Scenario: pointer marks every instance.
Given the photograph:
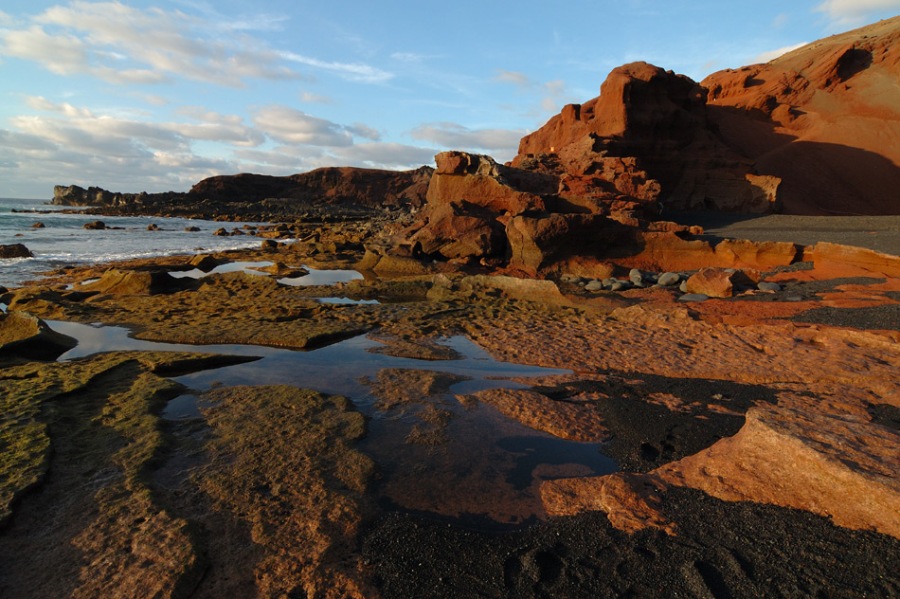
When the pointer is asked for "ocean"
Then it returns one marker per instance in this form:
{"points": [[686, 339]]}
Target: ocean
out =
{"points": [[64, 241]]}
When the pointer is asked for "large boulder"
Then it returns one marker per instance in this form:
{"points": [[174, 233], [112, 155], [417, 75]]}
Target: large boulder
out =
{"points": [[133, 282], [15, 250], [480, 181], [459, 230], [536, 242], [23, 335]]}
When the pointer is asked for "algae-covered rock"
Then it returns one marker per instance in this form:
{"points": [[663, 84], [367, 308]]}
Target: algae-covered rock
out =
{"points": [[283, 464], [23, 335]]}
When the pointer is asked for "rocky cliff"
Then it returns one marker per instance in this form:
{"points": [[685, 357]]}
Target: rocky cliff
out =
{"points": [[322, 192], [816, 131], [824, 118]]}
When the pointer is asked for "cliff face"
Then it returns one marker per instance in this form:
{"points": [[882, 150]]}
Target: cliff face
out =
{"points": [[816, 131], [824, 118], [334, 185]]}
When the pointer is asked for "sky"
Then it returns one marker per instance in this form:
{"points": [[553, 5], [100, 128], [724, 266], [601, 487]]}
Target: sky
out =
{"points": [[155, 96]]}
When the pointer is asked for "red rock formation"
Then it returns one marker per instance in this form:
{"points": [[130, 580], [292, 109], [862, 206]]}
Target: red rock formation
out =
{"points": [[646, 136], [824, 118], [480, 211], [816, 131]]}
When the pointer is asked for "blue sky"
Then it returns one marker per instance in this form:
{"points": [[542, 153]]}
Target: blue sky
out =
{"points": [[154, 96]]}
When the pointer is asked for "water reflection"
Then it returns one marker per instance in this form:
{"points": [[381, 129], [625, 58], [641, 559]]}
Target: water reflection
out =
{"points": [[439, 450]]}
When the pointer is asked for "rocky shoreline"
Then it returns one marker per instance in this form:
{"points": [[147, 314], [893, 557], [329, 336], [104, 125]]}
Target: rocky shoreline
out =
{"points": [[483, 379], [756, 450]]}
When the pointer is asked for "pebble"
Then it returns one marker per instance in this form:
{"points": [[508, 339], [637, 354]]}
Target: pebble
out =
{"points": [[667, 279], [693, 297], [768, 286], [683, 286], [620, 286], [594, 285], [636, 277]]}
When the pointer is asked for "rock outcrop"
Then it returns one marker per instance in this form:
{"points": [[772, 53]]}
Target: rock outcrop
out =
{"points": [[528, 221], [15, 250], [647, 136], [23, 335], [816, 131], [481, 211]]}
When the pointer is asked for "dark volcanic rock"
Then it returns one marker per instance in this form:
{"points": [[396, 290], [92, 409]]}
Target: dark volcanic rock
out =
{"points": [[15, 250], [368, 188], [321, 194]]}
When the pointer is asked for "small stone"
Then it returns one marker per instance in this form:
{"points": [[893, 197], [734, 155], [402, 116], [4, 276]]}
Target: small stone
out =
{"points": [[97, 225], [269, 245], [693, 297], [683, 286], [768, 286], [594, 285], [220, 232], [620, 286], [192, 229], [636, 277], [668, 279], [37, 225]]}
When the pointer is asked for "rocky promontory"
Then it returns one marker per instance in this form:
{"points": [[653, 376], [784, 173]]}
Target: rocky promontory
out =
{"points": [[337, 192]]}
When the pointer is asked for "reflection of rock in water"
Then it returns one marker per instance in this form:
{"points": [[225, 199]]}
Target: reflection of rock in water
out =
{"points": [[457, 458]]}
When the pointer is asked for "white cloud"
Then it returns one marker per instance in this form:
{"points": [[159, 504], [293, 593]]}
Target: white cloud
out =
{"points": [[391, 156], [549, 94], [312, 98], [773, 54], [412, 57], [364, 131], [458, 137], [291, 126], [352, 71], [63, 143], [289, 159], [513, 77], [851, 12], [781, 20], [123, 44]]}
